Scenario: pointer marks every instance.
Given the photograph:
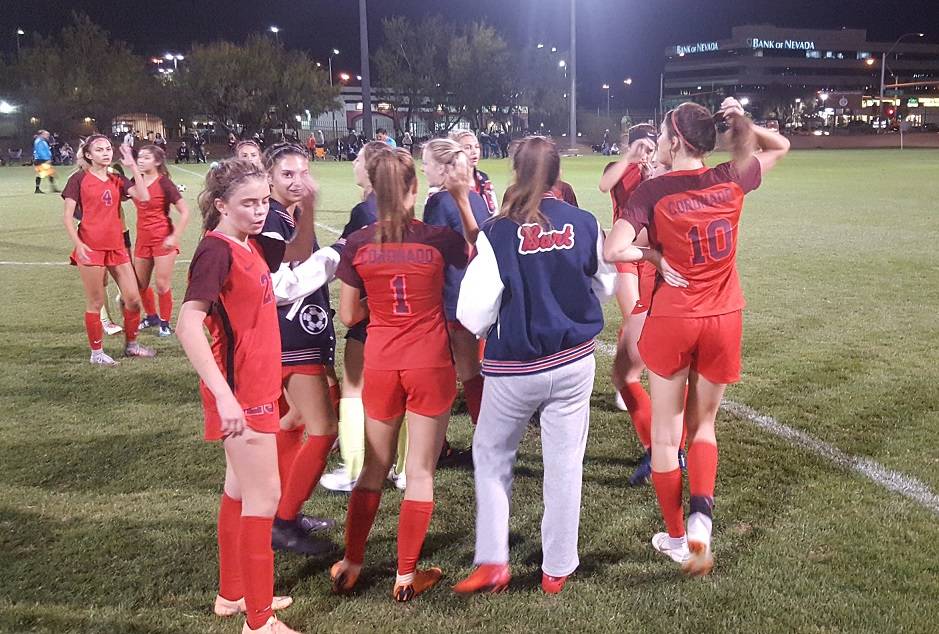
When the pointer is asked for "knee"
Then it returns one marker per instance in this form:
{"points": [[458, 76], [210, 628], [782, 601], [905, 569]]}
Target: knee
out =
{"points": [[132, 303], [94, 305], [163, 285], [262, 501]]}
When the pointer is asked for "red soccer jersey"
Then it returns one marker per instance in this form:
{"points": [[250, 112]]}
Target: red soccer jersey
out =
{"points": [[693, 218], [621, 192], [242, 319], [404, 285], [153, 216], [99, 207]]}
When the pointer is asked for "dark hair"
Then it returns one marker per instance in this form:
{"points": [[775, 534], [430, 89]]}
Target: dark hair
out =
{"points": [[639, 132], [280, 150], [85, 146], [245, 142], [537, 167], [693, 125], [159, 155], [381, 131], [392, 175], [219, 182]]}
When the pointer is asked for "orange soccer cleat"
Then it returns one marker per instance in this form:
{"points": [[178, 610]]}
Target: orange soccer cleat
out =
{"points": [[700, 561], [552, 585], [485, 578], [344, 576], [422, 581]]}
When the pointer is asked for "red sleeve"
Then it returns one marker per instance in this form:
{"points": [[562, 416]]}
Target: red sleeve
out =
{"points": [[632, 177], [639, 209], [124, 184], [170, 192], [73, 188], [345, 271], [749, 177], [208, 270]]}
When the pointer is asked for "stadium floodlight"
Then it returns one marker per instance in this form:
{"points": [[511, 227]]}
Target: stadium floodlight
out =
{"points": [[335, 51], [554, 49], [823, 96], [169, 56], [605, 86], [344, 76], [7, 108], [744, 101], [628, 81], [540, 45], [275, 29], [358, 77], [562, 64], [20, 32]]}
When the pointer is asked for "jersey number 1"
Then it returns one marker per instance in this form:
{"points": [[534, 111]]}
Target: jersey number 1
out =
{"points": [[400, 289], [718, 244]]}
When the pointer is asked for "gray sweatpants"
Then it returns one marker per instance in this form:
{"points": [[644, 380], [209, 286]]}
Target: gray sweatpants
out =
{"points": [[563, 396]]}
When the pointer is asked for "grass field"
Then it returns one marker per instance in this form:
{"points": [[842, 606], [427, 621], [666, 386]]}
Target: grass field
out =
{"points": [[108, 495]]}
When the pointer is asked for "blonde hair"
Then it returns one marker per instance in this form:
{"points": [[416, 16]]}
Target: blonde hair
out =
{"points": [[219, 183], [444, 151], [537, 167], [462, 134], [392, 175]]}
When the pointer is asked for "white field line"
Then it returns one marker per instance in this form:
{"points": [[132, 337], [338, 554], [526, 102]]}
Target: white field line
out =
{"points": [[907, 486]]}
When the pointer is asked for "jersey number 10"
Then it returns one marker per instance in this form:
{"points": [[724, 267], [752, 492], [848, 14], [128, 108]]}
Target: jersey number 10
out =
{"points": [[718, 244], [400, 289]]}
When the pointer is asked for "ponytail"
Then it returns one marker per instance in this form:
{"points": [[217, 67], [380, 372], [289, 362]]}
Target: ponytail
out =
{"points": [[219, 183], [537, 167], [392, 175]]}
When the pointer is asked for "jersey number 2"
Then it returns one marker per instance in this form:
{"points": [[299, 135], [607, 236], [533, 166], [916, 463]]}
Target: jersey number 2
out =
{"points": [[400, 289], [718, 244]]}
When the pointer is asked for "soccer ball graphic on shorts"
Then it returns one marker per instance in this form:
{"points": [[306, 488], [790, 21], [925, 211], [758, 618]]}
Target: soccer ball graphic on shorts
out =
{"points": [[313, 319], [180, 188]]}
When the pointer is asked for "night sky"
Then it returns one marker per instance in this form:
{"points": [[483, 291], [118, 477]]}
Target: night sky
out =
{"points": [[617, 38]]}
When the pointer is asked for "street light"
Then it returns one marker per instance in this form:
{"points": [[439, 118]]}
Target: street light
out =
{"points": [[883, 66], [540, 45], [628, 81], [175, 58], [869, 61], [606, 87], [744, 101], [343, 76], [19, 32], [276, 31]]}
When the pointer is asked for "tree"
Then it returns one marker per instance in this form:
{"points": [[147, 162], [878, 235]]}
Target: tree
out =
{"points": [[81, 73], [479, 65], [253, 86], [542, 86]]}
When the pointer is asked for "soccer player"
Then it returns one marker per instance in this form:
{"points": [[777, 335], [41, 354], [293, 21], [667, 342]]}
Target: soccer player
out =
{"points": [[398, 264], [157, 238], [94, 195], [481, 183], [230, 291], [693, 332], [307, 339], [248, 150], [633, 291], [441, 209], [42, 159], [534, 291]]}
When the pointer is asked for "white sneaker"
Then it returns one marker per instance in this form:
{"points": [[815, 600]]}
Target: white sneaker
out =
{"points": [[99, 357], [224, 607], [620, 403], [676, 548], [273, 626], [700, 560], [338, 480], [110, 328], [134, 349], [400, 480]]}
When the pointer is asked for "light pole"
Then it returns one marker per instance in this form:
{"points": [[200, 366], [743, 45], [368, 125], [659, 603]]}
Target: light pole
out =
{"points": [[606, 87], [19, 32], [573, 131], [175, 58], [276, 31], [883, 67], [366, 77], [335, 51]]}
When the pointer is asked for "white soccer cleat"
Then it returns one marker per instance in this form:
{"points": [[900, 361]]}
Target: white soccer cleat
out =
{"points": [[224, 607], [338, 480], [99, 357], [700, 560], [110, 328], [620, 403], [273, 626], [134, 349], [675, 548], [400, 480]]}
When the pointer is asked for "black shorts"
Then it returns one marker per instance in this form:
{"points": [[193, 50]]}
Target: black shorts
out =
{"points": [[358, 331]]}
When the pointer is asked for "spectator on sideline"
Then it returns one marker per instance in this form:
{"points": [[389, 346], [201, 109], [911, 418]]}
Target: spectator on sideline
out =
{"points": [[382, 135], [42, 159]]}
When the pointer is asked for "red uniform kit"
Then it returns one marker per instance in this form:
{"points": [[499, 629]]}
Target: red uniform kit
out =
{"points": [[153, 219], [98, 204], [620, 194], [408, 364], [692, 217], [242, 321]]}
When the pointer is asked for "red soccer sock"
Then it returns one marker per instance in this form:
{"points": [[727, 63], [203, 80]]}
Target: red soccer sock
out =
{"points": [[668, 490], [413, 521], [363, 505], [305, 473], [702, 469], [289, 442], [94, 330], [149, 303], [335, 394], [131, 323], [257, 565], [166, 305], [640, 410], [230, 583], [473, 393]]}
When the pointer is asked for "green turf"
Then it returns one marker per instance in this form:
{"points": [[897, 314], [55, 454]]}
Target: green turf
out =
{"points": [[108, 494]]}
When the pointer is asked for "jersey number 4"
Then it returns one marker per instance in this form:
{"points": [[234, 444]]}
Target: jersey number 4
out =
{"points": [[718, 244], [399, 287]]}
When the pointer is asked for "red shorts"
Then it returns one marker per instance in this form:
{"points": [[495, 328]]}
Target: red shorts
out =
{"points": [[387, 394], [647, 274], [101, 258], [308, 369], [150, 251], [263, 418], [710, 346], [631, 268]]}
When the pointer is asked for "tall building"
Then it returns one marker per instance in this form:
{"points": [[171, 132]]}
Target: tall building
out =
{"points": [[786, 72]]}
